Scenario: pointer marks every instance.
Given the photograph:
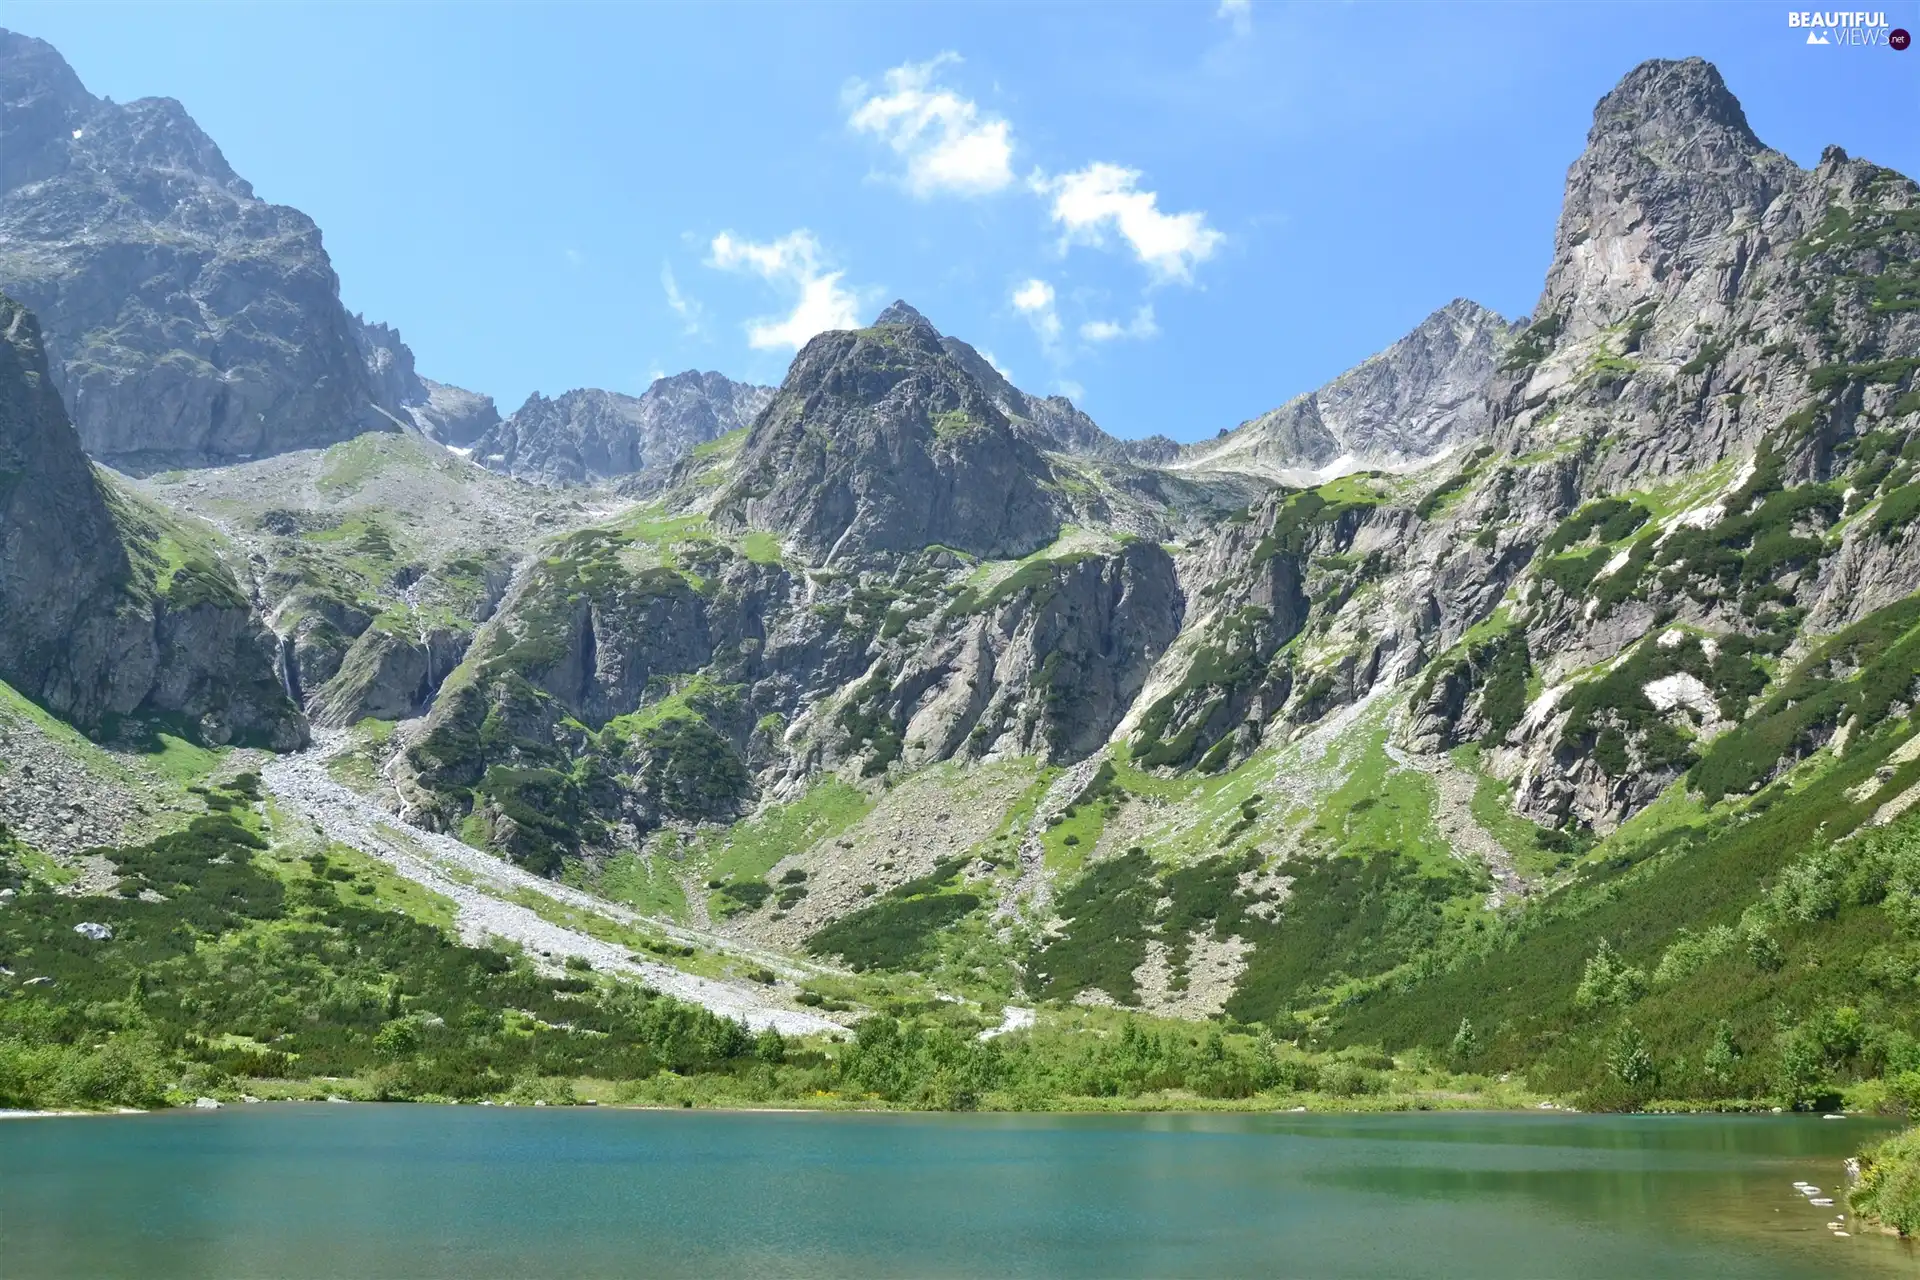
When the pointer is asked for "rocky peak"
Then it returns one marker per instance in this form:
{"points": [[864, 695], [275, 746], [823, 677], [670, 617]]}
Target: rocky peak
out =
{"points": [[879, 442], [41, 102], [588, 435], [1420, 398], [1663, 101], [186, 321], [1670, 178], [1046, 422], [898, 312]]}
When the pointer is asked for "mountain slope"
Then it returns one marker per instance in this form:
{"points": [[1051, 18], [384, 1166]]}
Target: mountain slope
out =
{"points": [[185, 318], [589, 436], [1573, 719], [1413, 403], [109, 608]]}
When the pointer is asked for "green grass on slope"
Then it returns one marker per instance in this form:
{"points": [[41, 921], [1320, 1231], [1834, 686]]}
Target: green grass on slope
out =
{"points": [[896, 931], [225, 966], [1383, 807], [1757, 983], [647, 884], [750, 848], [146, 749]]}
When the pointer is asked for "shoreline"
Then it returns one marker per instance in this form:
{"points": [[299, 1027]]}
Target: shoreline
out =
{"points": [[738, 1109]]}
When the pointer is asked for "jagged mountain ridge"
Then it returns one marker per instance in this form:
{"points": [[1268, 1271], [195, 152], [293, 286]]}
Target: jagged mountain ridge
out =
{"points": [[1323, 597], [1777, 349], [186, 319], [1400, 410], [591, 436]]}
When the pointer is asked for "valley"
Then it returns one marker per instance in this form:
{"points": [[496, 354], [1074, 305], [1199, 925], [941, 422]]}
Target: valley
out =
{"points": [[1529, 717]]}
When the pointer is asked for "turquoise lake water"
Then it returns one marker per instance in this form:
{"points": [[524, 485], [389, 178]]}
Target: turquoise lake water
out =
{"points": [[468, 1191]]}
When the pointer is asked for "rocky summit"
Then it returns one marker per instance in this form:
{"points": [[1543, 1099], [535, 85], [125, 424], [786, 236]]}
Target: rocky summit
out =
{"points": [[1537, 699], [590, 436], [185, 318]]}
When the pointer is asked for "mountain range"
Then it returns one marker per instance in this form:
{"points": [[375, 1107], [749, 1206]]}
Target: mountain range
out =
{"points": [[1536, 697]]}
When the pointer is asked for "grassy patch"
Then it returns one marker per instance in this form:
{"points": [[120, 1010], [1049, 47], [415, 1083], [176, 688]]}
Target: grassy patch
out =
{"points": [[750, 848], [760, 547], [648, 884], [1380, 806]]}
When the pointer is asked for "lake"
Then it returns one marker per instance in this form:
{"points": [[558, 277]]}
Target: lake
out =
{"points": [[331, 1190]]}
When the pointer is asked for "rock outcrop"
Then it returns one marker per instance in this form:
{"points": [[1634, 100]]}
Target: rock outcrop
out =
{"points": [[107, 608], [187, 321], [878, 441], [1421, 398], [454, 416], [589, 436]]}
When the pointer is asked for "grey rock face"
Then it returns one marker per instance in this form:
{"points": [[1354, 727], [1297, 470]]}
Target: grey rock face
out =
{"points": [[63, 559], [389, 364], [1709, 303], [454, 416], [587, 436], [878, 441], [388, 676], [93, 621], [1412, 403], [1670, 179], [1050, 671], [186, 319], [1048, 422]]}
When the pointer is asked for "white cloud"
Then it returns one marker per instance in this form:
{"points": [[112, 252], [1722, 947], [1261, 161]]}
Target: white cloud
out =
{"points": [[1070, 389], [948, 143], [1141, 326], [1101, 198], [791, 263], [688, 309], [1034, 300], [998, 368], [1237, 12]]}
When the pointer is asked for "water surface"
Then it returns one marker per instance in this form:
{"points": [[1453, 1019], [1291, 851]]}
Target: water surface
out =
{"points": [[467, 1191]]}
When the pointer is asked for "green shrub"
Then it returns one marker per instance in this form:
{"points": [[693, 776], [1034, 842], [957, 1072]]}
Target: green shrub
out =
{"points": [[1888, 1192], [895, 931]]}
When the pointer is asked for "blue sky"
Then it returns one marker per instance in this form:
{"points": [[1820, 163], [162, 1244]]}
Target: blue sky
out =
{"points": [[1181, 214]]}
